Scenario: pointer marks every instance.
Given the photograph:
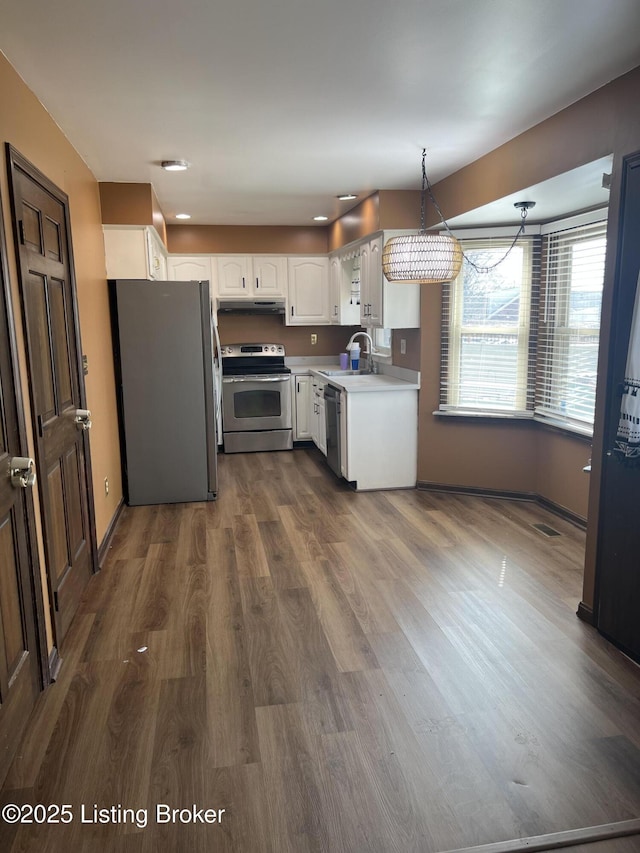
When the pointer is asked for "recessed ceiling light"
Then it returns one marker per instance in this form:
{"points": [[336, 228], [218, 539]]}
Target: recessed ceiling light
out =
{"points": [[347, 197], [183, 216], [175, 165], [320, 218]]}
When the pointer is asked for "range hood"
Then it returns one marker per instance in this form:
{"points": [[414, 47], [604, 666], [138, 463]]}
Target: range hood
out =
{"points": [[251, 306]]}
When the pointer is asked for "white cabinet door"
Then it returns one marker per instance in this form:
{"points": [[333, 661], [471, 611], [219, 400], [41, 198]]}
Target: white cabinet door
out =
{"points": [[335, 280], [156, 255], [344, 310], [193, 268], [269, 276], [371, 290], [234, 276], [302, 390], [374, 285], [308, 292], [127, 252], [364, 285], [322, 425]]}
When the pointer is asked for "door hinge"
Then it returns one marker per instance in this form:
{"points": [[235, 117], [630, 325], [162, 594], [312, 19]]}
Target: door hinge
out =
{"points": [[21, 232], [56, 602]]}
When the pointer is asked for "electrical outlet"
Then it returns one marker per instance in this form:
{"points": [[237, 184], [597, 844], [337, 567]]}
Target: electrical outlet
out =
{"points": [[314, 340], [106, 486], [403, 346]]}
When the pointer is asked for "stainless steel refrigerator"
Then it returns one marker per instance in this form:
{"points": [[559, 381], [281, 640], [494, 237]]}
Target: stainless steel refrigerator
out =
{"points": [[167, 381]]}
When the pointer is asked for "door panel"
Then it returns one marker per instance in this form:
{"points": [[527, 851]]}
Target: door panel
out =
{"points": [[20, 607], [617, 573], [57, 389], [12, 631]]}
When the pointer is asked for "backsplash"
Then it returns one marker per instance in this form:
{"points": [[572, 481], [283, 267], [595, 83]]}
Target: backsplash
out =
{"points": [[236, 329]]}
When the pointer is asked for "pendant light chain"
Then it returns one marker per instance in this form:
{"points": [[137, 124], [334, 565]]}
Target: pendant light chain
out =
{"points": [[524, 210]]}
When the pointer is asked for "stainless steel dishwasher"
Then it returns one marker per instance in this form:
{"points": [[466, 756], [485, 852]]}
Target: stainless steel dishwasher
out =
{"points": [[332, 415]]}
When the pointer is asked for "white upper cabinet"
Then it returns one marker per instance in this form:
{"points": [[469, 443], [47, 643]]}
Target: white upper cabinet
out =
{"points": [[344, 305], [384, 304], [269, 276], [308, 292], [249, 277], [371, 286], [134, 252], [189, 268], [234, 276]]}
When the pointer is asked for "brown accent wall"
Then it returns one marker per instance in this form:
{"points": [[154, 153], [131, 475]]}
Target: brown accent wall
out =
{"points": [[411, 359], [236, 329], [361, 220], [252, 239], [399, 209], [31, 130], [522, 457], [126, 203], [560, 459], [605, 122], [157, 217]]}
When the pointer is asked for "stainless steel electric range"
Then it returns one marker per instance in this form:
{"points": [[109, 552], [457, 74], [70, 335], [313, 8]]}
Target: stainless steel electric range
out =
{"points": [[256, 398]]}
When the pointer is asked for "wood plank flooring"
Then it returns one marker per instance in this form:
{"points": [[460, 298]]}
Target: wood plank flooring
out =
{"points": [[392, 671]]}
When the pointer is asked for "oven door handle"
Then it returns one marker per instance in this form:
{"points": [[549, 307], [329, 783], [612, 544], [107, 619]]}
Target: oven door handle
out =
{"points": [[257, 378]]}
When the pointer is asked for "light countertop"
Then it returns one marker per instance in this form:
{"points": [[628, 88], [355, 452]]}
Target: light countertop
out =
{"points": [[366, 383]]}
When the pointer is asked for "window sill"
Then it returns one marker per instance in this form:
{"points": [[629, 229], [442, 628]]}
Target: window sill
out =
{"points": [[472, 414], [547, 423]]}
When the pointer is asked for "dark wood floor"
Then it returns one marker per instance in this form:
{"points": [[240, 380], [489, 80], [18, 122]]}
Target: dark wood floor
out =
{"points": [[393, 671]]}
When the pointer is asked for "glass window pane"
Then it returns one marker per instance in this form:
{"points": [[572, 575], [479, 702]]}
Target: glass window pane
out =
{"points": [[488, 371], [492, 298]]}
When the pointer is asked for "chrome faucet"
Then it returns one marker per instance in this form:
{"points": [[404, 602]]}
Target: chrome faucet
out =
{"points": [[373, 367]]}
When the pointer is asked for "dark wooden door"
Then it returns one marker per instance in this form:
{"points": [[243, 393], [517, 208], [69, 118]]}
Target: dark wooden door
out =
{"points": [[20, 679], [41, 225], [618, 560]]}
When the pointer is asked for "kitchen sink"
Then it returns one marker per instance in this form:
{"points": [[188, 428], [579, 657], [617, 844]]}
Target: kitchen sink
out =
{"points": [[345, 372]]}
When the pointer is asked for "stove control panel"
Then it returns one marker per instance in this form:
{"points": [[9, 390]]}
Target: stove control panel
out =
{"points": [[234, 350]]}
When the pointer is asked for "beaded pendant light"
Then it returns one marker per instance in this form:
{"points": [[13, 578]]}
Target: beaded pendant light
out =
{"points": [[422, 258]]}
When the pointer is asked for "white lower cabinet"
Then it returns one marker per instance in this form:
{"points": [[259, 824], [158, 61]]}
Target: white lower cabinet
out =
{"points": [[379, 439], [321, 443], [302, 407], [317, 414]]}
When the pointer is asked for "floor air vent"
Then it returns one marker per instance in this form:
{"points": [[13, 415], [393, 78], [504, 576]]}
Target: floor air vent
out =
{"points": [[546, 530]]}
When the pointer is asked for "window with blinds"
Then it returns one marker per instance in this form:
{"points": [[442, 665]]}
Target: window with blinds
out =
{"points": [[569, 323], [487, 329]]}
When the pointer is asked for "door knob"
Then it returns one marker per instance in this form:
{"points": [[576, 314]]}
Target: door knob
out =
{"points": [[21, 472], [83, 419]]}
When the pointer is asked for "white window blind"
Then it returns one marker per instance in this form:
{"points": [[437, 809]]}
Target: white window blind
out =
{"points": [[487, 329], [569, 324]]}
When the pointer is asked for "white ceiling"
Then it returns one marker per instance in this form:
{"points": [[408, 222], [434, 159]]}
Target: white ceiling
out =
{"points": [[281, 105]]}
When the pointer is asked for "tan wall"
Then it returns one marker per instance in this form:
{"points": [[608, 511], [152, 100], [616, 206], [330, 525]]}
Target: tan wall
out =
{"points": [[31, 130], [254, 239], [235, 329]]}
